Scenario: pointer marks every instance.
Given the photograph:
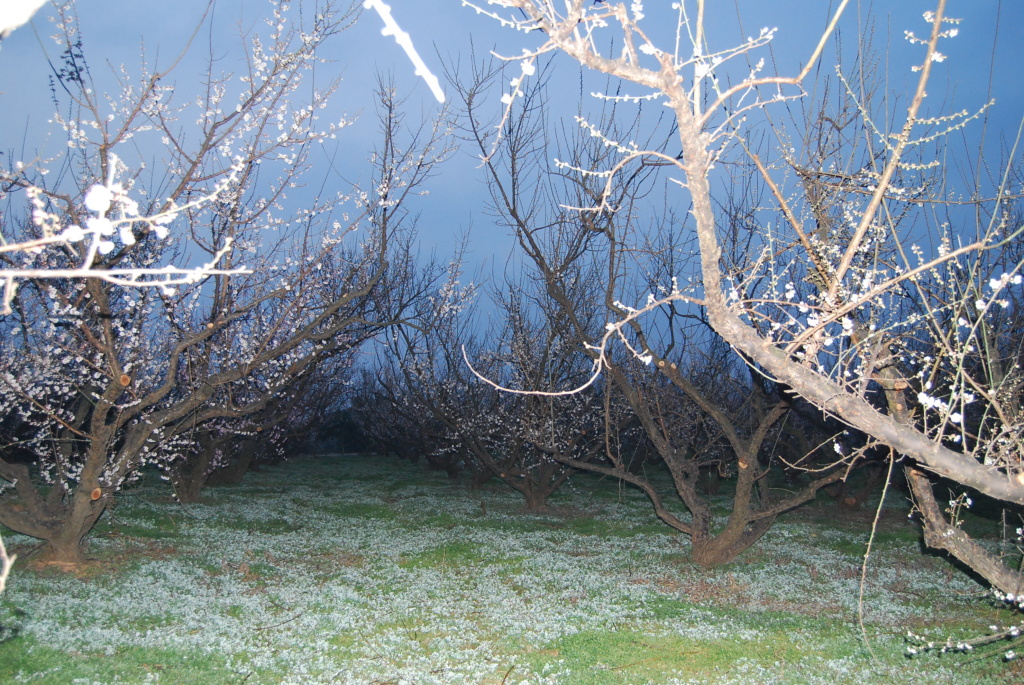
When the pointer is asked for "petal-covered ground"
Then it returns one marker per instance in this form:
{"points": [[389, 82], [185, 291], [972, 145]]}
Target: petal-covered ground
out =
{"points": [[369, 570]]}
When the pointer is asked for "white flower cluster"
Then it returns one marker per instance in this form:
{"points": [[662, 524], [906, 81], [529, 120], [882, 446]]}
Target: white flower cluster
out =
{"points": [[100, 199], [938, 404], [528, 69]]}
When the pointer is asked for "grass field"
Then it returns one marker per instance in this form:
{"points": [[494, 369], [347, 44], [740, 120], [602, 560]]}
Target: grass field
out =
{"points": [[368, 570]]}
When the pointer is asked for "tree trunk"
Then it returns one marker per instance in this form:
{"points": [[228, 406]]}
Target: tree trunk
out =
{"points": [[720, 549], [191, 475], [536, 499], [190, 481], [236, 469], [73, 518], [742, 530], [67, 543], [480, 477]]}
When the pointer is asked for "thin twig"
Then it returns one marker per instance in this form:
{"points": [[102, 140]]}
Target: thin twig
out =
{"points": [[6, 563], [275, 625], [867, 554]]}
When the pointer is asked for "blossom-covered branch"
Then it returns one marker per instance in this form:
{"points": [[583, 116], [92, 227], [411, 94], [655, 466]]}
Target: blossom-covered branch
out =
{"points": [[97, 236]]}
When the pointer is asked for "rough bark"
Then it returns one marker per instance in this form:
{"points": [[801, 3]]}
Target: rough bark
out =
{"points": [[190, 476], [939, 533], [236, 469]]}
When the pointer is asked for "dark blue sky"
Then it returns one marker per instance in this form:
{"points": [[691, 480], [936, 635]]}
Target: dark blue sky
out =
{"points": [[113, 31]]}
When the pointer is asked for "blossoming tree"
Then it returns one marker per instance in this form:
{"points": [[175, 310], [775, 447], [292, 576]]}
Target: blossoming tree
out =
{"points": [[102, 379], [674, 384], [888, 341]]}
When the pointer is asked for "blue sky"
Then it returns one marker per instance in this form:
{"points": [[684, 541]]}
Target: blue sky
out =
{"points": [[114, 30]]}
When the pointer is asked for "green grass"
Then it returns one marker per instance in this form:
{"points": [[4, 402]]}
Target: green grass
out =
{"points": [[456, 553], [349, 570], [46, 666]]}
